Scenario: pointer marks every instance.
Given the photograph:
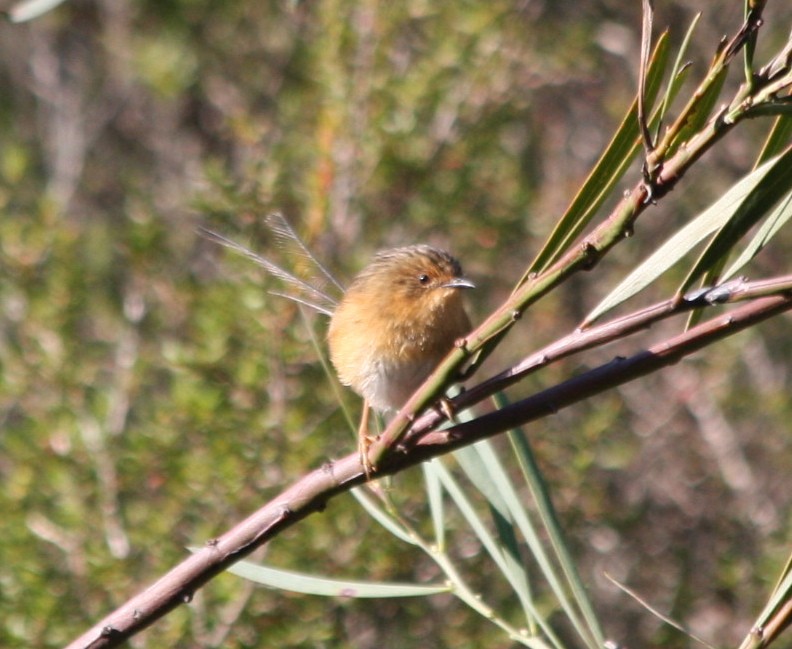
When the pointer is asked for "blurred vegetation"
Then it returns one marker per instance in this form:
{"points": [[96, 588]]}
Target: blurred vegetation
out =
{"points": [[152, 392]]}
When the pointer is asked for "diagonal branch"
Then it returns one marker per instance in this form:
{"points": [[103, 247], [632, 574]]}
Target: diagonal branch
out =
{"points": [[583, 257], [580, 340], [312, 492]]}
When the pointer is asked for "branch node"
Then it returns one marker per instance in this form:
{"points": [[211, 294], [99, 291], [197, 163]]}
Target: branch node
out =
{"points": [[590, 254]]}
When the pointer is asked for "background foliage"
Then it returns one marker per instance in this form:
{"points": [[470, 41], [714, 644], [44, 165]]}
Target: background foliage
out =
{"points": [[152, 393]]}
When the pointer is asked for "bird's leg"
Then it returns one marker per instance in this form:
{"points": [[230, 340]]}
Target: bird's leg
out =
{"points": [[364, 440]]}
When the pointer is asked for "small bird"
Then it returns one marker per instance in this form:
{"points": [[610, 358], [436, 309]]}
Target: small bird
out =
{"points": [[400, 316]]}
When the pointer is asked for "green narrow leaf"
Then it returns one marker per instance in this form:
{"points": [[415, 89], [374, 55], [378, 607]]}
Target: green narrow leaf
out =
{"points": [[514, 577], [480, 473], [777, 140], [474, 520], [508, 494], [314, 585], [773, 186], [777, 219], [29, 9], [609, 169], [470, 461], [480, 464], [776, 108], [684, 241], [678, 71], [382, 517], [434, 493], [536, 484]]}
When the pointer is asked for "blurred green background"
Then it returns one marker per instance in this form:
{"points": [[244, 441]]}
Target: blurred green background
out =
{"points": [[152, 392]]}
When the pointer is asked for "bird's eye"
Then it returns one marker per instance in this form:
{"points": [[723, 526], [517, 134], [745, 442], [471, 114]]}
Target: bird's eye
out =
{"points": [[424, 279]]}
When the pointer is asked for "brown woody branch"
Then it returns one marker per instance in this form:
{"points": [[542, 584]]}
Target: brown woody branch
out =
{"points": [[311, 493]]}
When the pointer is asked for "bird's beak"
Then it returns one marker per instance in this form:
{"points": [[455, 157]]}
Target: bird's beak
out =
{"points": [[459, 282]]}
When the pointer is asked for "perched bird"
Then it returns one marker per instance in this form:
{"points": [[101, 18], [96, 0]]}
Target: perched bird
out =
{"points": [[400, 316]]}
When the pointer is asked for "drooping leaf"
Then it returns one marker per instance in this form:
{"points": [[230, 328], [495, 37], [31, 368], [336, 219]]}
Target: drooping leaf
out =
{"points": [[314, 585]]}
